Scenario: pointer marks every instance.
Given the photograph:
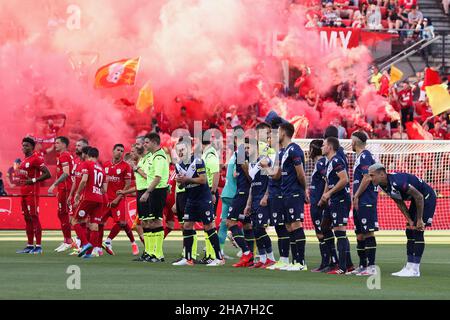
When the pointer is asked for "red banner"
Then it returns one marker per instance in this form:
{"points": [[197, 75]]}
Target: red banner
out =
{"points": [[347, 38]]}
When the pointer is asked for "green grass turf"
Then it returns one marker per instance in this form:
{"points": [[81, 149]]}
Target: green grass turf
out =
{"points": [[117, 277]]}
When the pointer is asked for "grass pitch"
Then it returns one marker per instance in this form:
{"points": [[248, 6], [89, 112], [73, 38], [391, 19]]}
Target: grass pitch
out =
{"points": [[117, 277]]}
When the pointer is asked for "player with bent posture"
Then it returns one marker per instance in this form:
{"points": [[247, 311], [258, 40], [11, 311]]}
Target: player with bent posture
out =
{"points": [[403, 187]]}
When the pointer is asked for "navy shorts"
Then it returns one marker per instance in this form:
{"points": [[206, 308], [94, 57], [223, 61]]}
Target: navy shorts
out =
{"points": [[316, 217], [429, 206], [199, 212], [338, 212], [260, 216], [276, 212], [365, 219], [236, 210], [293, 208]]}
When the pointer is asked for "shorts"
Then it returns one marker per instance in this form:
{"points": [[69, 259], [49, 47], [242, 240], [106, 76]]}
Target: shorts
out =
{"points": [[338, 213], [118, 213], [30, 205], [429, 207], [199, 212], [293, 208], [63, 205], [142, 208], [236, 211], [157, 203], [260, 216], [276, 209], [317, 214], [365, 219], [180, 205], [91, 209]]}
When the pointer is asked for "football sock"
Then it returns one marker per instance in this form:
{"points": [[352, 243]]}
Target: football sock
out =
{"points": [[330, 246], [239, 238], [419, 245], [214, 241], [188, 240], [209, 249], [323, 253], [342, 242], [101, 231], [294, 249], [300, 240], [361, 249], [81, 233], [260, 242], [129, 232], [147, 241], [371, 249], [37, 229], [250, 239], [65, 227], [410, 245], [29, 230], [267, 242], [194, 246], [114, 231], [222, 233], [283, 240], [158, 234]]}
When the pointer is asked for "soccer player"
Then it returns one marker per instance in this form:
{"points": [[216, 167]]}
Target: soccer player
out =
{"points": [[191, 173], [403, 187], [89, 203], [293, 190], [155, 196], [365, 198], [337, 196], [236, 211], [29, 179], [64, 167], [257, 207], [118, 177], [316, 190], [212, 165]]}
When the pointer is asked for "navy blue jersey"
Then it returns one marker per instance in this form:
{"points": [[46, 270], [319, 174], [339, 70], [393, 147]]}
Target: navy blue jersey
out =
{"points": [[293, 156], [361, 167], [195, 193], [341, 153], [275, 185], [242, 182], [399, 184], [335, 166], [318, 181], [260, 181]]}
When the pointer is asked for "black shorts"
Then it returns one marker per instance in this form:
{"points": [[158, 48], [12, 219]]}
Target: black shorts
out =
{"points": [[338, 212], [316, 217], [293, 208], [276, 212], [236, 210], [260, 216], [143, 208], [199, 212], [429, 206], [157, 204], [365, 219], [180, 205]]}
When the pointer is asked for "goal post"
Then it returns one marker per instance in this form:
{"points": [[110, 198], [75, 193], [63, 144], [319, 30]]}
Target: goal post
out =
{"points": [[427, 159]]}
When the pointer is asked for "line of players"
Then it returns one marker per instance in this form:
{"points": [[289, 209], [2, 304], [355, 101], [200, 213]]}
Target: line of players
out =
{"points": [[271, 190]]}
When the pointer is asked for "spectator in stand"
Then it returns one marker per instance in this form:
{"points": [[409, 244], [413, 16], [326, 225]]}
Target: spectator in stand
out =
{"points": [[437, 131], [2, 186], [384, 84], [391, 6], [427, 34], [342, 8], [329, 15], [359, 21], [446, 6], [313, 99], [185, 120], [314, 23], [407, 4], [395, 20], [374, 18], [415, 18], [398, 131], [339, 24], [405, 99], [376, 77], [381, 132]]}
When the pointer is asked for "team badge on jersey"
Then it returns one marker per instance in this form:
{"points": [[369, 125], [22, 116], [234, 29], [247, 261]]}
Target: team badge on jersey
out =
{"points": [[118, 171], [260, 215], [291, 210], [364, 221], [106, 170], [27, 165], [208, 213]]}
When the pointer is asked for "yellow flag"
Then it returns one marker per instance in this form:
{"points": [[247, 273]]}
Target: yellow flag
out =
{"points": [[439, 98], [396, 75], [145, 99]]}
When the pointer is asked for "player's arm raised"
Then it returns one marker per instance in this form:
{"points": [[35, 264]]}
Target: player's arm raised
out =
{"points": [[419, 200], [61, 179]]}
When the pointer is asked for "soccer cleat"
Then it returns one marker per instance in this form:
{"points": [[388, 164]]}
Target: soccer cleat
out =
{"points": [[84, 249], [285, 267], [27, 249], [296, 267], [108, 248], [63, 247], [245, 261], [205, 260], [407, 272], [75, 244], [152, 259], [74, 252], [396, 274], [277, 266], [268, 263], [369, 271], [36, 250], [216, 263], [135, 249], [357, 271], [142, 258], [88, 256], [318, 269], [336, 271], [350, 269], [183, 262], [239, 254], [257, 265]]}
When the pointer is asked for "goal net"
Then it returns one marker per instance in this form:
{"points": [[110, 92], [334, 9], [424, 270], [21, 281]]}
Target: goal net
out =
{"points": [[429, 160]]}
